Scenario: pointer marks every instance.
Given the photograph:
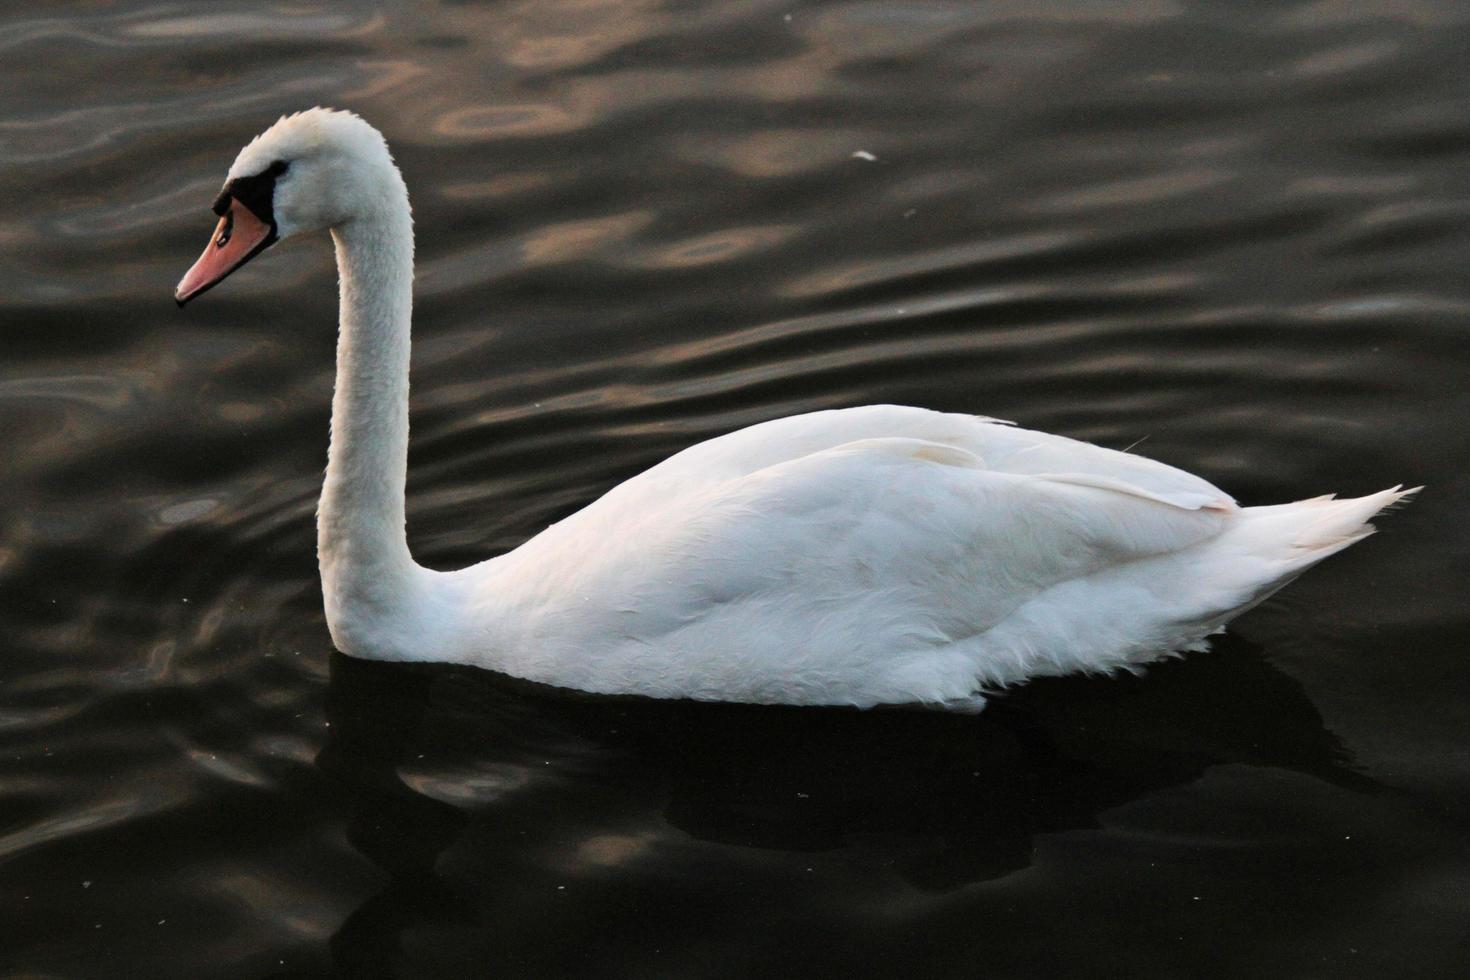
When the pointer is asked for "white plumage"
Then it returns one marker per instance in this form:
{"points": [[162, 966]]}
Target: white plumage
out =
{"points": [[863, 556]]}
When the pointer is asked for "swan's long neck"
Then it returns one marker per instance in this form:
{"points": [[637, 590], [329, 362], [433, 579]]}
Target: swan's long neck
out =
{"points": [[367, 573]]}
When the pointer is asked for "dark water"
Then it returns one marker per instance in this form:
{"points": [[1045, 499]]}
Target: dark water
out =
{"points": [[1237, 230]]}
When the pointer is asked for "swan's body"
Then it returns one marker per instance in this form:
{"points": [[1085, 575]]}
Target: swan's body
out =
{"points": [[863, 556]]}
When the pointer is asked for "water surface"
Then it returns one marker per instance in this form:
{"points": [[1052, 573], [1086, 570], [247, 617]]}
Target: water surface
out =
{"points": [[1236, 233]]}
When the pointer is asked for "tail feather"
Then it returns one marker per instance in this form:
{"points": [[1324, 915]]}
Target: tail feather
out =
{"points": [[1130, 612], [1339, 523], [1272, 545]]}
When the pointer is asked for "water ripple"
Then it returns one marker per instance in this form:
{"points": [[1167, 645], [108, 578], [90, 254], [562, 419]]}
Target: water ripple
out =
{"points": [[1234, 235]]}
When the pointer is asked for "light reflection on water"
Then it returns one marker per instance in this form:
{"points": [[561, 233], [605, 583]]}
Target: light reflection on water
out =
{"points": [[1236, 235]]}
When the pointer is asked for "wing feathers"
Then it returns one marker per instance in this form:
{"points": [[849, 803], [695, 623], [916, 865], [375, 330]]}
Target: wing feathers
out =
{"points": [[1184, 499]]}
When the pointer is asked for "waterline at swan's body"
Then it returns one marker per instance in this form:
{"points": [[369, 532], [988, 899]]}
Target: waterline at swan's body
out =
{"points": [[864, 556]]}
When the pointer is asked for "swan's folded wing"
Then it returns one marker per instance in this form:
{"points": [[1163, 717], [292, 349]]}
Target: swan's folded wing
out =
{"points": [[929, 494], [1170, 492], [1002, 447], [890, 541], [811, 572], [1064, 460]]}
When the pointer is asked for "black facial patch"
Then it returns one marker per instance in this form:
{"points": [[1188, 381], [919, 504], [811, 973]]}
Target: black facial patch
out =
{"points": [[256, 193]]}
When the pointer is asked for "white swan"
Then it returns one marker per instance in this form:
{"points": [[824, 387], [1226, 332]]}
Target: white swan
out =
{"points": [[861, 557]]}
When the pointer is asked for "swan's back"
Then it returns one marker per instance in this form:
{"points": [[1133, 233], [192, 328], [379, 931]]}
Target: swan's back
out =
{"points": [[1001, 446], [885, 555]]}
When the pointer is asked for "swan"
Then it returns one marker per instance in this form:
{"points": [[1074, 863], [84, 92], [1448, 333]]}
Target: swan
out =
{"points": [[862, 556]]}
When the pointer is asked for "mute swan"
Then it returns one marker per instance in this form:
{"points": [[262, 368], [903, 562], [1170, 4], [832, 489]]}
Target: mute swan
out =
{"points": [[861, 556]]}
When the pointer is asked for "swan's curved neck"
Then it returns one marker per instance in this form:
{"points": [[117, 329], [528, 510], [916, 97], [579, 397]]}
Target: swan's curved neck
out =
{"points": [[362, 548]]}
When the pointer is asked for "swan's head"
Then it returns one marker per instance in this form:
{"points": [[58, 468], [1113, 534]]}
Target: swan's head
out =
{"points": [[313, 170]]}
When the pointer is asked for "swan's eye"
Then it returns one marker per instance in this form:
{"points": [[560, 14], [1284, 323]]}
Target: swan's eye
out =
{"points": [[277, 168]]}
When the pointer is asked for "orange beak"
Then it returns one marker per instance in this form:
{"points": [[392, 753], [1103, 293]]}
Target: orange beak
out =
{"points": [[239, 237]]}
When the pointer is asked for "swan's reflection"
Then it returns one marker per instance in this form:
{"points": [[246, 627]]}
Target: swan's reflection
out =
{"points": [[944, 799], [375, 713]]}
